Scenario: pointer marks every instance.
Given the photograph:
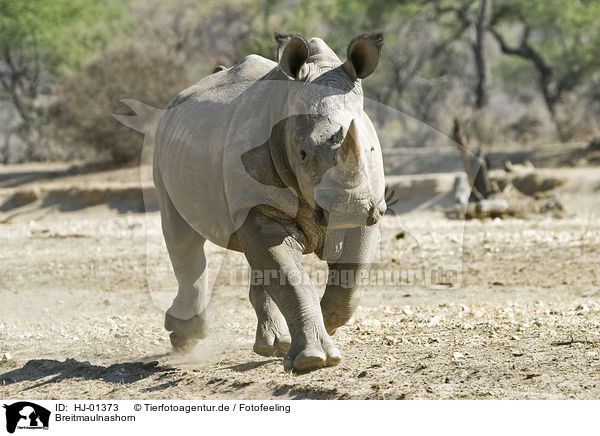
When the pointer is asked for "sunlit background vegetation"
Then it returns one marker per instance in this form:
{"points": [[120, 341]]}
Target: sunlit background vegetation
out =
{"points": [[514, 72]]}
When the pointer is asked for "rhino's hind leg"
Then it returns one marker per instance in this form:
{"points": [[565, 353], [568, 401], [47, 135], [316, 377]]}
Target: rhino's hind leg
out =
{"points": [[186, 318], [272, 335]]}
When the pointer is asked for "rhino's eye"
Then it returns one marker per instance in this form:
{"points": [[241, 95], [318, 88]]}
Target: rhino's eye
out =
{"points": [[302, 155], [337, 137]]}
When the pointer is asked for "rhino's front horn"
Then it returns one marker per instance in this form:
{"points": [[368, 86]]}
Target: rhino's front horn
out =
{"points": [[350, 146]]}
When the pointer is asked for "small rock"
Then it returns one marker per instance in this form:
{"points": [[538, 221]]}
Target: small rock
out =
{"points": [[362, 374], [435, 320], [389, 341], [457, 355], [532, 183], [518, 168], [6, 356], [461, 191], [517, 353], [371, 323]]}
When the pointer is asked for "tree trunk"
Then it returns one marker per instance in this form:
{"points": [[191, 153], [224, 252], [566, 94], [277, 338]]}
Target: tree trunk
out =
{"points": [[551, 90], [475, 166], [479, 52]]}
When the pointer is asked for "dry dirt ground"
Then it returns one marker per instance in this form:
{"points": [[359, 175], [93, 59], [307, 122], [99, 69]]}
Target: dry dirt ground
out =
{"points": [[81, 293]]}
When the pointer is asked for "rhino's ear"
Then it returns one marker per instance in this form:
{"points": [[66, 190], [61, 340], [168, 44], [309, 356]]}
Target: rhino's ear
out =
{"points": [[259, 165], [282, 40], [292, 55], [363, 55]]}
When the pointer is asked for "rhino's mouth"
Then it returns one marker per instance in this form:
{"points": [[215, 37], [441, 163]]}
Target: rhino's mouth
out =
{"points": [[321, 216]]}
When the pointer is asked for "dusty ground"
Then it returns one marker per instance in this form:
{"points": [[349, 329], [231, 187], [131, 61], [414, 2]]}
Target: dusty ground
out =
{"points": [[77, 318]]}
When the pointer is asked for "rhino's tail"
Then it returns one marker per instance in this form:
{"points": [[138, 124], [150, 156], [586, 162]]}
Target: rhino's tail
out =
{"points": [[145, 119]]}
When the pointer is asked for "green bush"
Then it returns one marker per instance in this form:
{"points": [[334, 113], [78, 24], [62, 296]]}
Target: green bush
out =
{"points": [[82, 112]]}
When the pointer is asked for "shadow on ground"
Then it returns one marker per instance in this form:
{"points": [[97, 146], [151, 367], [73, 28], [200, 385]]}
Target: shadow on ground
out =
{"points": [[245, 367], [15, 178], [192, 383], [40, 369]]}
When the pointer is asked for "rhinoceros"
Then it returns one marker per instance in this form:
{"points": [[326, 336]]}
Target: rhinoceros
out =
{"points": [[275, 160]]}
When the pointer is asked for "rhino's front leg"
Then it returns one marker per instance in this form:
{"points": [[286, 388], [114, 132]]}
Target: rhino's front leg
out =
{"points": [[272, 335], [274, 250], [342, 293]]}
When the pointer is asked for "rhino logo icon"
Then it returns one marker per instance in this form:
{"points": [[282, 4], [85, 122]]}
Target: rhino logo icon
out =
{"points": [[26, 415]]}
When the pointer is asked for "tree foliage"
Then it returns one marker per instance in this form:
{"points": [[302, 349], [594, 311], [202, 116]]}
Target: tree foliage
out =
{"points": [[82, 112], [40, 40], [559, 38], [441, 58]]}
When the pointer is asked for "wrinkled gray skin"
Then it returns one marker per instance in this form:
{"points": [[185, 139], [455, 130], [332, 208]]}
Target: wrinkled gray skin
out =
{"points": [[323, 149]]}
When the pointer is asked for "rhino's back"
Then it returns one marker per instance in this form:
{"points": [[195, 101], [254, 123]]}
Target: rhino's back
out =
{"points": [[224, 86], [190, 145]]}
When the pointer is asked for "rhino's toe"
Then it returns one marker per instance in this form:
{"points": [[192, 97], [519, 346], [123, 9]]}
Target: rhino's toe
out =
{"points": [[182, 344], [312, 357], [272, 345], [333, 356], [264, 347], [272, 335], [305, 361], [283, 344], [334, 321]]}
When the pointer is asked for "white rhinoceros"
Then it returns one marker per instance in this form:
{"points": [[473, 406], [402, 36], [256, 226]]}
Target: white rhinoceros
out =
{"points": [[275, 160]]}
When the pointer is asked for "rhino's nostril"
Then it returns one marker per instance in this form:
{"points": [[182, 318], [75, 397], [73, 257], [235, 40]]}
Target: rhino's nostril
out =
{"points": [[320, 216]]}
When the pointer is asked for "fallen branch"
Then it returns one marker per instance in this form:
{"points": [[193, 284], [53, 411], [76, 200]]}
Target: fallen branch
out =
{"points": [[573, 341], [474, 164]]}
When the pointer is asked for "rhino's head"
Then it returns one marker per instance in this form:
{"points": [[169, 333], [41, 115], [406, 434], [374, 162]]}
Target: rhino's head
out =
{"points": [[330, 143]]}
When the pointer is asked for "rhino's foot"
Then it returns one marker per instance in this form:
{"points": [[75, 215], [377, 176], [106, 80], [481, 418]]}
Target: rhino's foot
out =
{"points": [[333, 322], [272, 337], [272, 334], [311, 351], [185, 332], [272, 345]]}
